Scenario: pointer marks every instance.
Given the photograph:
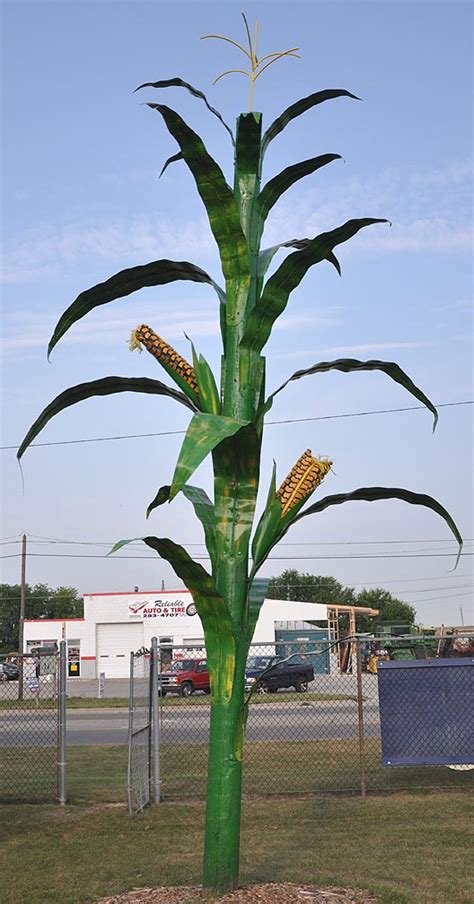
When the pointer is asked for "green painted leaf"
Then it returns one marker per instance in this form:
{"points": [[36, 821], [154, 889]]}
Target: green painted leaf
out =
{"points": [[173, 159], [205, 511], [269, 522], [156, 273], [277, 290], [105, 386], [373, 494], [203, 508], [211, 606], [179, 83], [216, 195], [256, 597], [299, 107], [204, 433], [266, 256], [209, 400], [162, 496], [236, 474], [369, 494], [276, 187], [348, 365]]}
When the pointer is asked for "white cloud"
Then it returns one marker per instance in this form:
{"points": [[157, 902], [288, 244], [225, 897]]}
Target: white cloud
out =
{"points": [[27, 330], [350, 350], [430, 211], [44, 251]]}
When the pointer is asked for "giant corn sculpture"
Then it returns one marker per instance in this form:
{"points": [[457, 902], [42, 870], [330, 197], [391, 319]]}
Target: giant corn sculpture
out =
{"points": [[227, 422]]}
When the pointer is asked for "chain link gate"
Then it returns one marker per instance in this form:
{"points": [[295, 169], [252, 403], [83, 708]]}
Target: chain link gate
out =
{"points": [[143, 728], [33, 727]]}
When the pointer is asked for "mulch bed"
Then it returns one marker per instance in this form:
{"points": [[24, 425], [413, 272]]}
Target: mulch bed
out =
{"points": [[271, 893]]}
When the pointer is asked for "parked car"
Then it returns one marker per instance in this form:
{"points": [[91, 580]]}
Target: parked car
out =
{"points": [[184, 676], [296, 672], [9, 671]]}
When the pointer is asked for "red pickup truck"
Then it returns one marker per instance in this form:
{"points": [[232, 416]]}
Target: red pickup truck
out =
{"points": [[184, 676]]}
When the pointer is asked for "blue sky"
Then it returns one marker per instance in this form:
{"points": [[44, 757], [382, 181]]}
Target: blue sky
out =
{"points": [[81, 200]]}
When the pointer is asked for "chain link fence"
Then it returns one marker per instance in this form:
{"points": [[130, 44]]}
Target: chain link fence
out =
{"points": [[143, 745], [320, 722], [32, 712]]}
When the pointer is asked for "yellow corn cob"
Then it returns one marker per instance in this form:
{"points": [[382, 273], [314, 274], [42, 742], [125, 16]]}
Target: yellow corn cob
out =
{"points": [[157, 347], [304, 477]]}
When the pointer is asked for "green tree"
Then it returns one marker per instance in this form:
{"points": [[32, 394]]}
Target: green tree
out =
{"points": [[227, 423], [41, 601], [310, 588], [391, 609]]}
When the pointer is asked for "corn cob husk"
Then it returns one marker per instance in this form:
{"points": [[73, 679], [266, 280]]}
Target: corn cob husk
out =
{"points": [[164, 353], [304, 477]]}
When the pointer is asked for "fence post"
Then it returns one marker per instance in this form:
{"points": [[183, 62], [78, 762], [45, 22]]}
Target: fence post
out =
{"points": [[360, 711], [129, 741], [155, 722], [62, 759]]}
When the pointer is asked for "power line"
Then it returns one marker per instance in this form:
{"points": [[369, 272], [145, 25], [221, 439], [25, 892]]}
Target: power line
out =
{"points": [[64, 555], [297, 420], [53, 599], [431, 599], [39, 539], [279, 582]]}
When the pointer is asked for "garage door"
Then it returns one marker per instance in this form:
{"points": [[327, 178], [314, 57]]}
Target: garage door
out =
{"points": [[114, 643]]}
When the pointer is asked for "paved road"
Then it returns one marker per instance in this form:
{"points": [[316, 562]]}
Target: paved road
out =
{"points": [[187, 724]]}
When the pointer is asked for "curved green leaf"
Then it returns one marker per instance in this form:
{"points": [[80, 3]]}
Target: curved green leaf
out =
{"points": [[204, 433], [347, 365], [216, 195], [203, 508], [269, 521], [274, 189], [364, 494], [212, 608], [156, 273], [179, 83], [299, 107], [206, 513], [162, 496], [105, 386], [256, 597], [277, 290], [172, 159], [266, 256], [373, 494], [209, 400]]}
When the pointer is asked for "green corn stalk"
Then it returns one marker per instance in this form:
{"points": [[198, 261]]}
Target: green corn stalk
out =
{"points": [[228, 425]]}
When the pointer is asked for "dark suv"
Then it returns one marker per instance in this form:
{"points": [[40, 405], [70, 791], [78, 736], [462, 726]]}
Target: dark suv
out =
{"points": [[9, 671], [296, 672]]}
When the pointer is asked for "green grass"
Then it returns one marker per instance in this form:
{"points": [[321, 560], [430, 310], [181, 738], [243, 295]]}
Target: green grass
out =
{"points": [[168, 700], [98, 774], [405, 848]]}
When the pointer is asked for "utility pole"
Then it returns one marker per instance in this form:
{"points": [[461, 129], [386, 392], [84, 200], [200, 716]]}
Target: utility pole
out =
{"points": [[22, 615], [462, 615]]}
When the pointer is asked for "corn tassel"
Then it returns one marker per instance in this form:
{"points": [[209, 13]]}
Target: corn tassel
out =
{"points": [[304, 477], [164, 353]]}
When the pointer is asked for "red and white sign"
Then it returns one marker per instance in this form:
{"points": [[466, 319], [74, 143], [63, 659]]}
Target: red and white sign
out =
{"points": [[161, 609]]}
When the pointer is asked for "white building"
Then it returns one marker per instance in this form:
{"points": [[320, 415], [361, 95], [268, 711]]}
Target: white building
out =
{"points": [[114, 624]]}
